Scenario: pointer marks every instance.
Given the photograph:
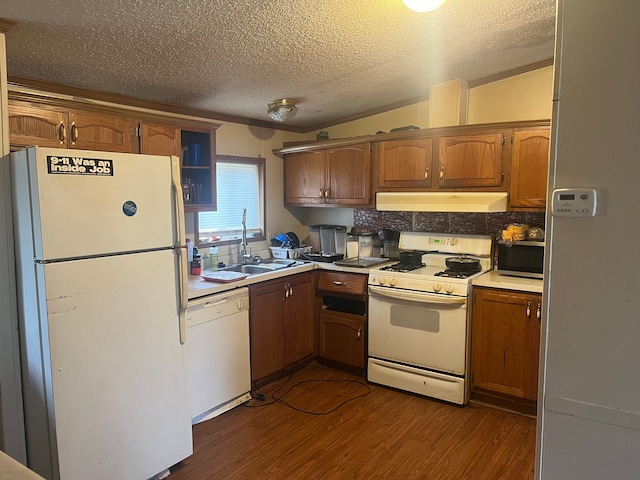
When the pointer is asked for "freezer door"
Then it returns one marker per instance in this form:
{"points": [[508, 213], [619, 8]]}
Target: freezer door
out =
{"points": [[85, 203], [117, 372]]}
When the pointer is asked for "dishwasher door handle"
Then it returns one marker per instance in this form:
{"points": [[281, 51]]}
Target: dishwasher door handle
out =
{"points": [[213, 304]]}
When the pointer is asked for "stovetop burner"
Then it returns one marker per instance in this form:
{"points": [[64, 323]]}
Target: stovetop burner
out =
{"points": [[448, 273], [402, 267]]}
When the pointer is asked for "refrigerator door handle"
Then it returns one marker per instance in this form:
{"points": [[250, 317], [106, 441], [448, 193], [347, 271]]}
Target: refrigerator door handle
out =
{"points": [[180, 247]]}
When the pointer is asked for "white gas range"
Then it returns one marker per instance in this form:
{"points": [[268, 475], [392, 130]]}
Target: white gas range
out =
{"points": [[418, 316]]}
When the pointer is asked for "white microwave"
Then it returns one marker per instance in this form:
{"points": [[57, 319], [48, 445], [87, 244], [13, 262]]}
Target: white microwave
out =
{"points": [[521, 259]]}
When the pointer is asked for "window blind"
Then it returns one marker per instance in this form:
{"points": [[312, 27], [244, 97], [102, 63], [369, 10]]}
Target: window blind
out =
{"points": [[237, 187]]}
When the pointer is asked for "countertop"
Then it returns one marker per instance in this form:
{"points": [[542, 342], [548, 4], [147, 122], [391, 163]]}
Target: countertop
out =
{"points": [[200, 288], [495, 280]]}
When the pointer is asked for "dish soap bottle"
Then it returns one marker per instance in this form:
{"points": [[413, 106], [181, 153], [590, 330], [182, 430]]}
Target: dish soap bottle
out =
{"points": [[213, 257]]}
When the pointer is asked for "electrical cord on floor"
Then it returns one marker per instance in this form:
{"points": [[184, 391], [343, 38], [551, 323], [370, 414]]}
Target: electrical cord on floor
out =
{"points": [[280, 398]]}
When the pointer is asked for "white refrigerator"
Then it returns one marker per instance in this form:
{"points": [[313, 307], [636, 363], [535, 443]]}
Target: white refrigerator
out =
{"points": [[102, 297]]}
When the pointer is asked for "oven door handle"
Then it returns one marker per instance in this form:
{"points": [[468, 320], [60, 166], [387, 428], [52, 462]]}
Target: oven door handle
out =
{"points": [[417, 296]]}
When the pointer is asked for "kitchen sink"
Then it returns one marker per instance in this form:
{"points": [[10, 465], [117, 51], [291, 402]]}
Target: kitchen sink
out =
{"points": [[248, 269], [266, 266]]}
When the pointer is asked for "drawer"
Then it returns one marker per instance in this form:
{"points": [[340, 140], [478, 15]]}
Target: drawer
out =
{"points": [[342, 283]]}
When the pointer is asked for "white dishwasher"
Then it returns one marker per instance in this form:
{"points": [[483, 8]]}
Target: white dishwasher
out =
{"points": [[218, 345]]}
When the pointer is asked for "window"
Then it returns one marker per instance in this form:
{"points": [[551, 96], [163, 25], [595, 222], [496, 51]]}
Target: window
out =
{"points": [[239, 185]]}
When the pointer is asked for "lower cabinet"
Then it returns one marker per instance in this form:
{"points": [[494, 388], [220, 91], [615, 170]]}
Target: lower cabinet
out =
{"points": [[341, 338], [281, 325], [505, 347], [342, 319]]}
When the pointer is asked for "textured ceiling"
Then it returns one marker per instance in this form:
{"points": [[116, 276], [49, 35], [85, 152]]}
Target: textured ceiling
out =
{"points": [[337, 58]]}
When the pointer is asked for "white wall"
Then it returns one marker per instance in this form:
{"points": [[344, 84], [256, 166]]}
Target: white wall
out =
{"points": [[589, 416], [522, 97]]}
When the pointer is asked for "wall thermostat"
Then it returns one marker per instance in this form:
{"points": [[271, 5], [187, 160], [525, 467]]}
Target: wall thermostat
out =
{"points": [[574, 202]]}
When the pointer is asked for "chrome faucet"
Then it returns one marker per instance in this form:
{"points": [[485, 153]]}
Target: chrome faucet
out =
{"points": [[246, 257]]}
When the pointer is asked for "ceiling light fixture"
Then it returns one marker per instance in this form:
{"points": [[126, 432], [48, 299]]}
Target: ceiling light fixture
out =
{"points": [[282, 110], [423, 5]]}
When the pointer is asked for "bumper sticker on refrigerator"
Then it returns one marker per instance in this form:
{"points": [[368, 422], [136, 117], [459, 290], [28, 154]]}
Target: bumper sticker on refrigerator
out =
{"points": [[79, 166]]}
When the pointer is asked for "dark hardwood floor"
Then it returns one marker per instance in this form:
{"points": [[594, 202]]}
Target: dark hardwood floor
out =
{"points": [[384, 434]]}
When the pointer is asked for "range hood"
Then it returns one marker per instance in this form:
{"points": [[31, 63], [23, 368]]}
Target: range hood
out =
{"points": [[482, 202]]}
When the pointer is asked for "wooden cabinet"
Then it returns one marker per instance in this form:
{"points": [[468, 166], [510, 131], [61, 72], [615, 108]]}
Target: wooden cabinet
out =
{"points": [[31, 124], [462, 161], [281, 325], [473, 160], [342, 320], [62, 125], [505, 345], [159, 139], [339, 176], [529, 168], [405, 163], [198, 169], [304, 177], [446, 159], [198, 157]]}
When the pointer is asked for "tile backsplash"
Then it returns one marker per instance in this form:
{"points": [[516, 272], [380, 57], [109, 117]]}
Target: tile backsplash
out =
{"points": [[365, 220]]}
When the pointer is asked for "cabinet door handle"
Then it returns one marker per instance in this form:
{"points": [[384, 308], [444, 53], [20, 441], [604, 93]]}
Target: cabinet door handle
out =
{"points": [[426, 174], [539, 311], [442, 172], [321, 192], [74, 133], [339, 284], [62, 133], [528, 309], [359, 334], [290, 290], [326, 193]]}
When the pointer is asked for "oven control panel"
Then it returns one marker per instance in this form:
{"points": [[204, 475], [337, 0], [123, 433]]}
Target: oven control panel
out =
{"points": [[437, 241], [405, 282]]}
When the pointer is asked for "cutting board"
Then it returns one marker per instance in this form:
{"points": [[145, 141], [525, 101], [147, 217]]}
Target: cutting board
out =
{"points": [[223, 276]]}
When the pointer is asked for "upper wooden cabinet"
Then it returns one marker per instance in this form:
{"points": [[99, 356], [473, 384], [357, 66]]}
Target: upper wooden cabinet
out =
{"points": [[405, 163], [31, 124], [304, 177], [196, 150], [60, 125], [446, 159], [470, 160], [339, 176], [159, 139], [529, 168], [198, 157]]}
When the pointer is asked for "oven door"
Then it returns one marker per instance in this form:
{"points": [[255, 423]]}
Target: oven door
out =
{"points": [[418, 328]]}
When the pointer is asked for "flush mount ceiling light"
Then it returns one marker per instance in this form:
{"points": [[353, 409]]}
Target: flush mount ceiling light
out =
{"points": [[282, 110], [423, 5]]}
